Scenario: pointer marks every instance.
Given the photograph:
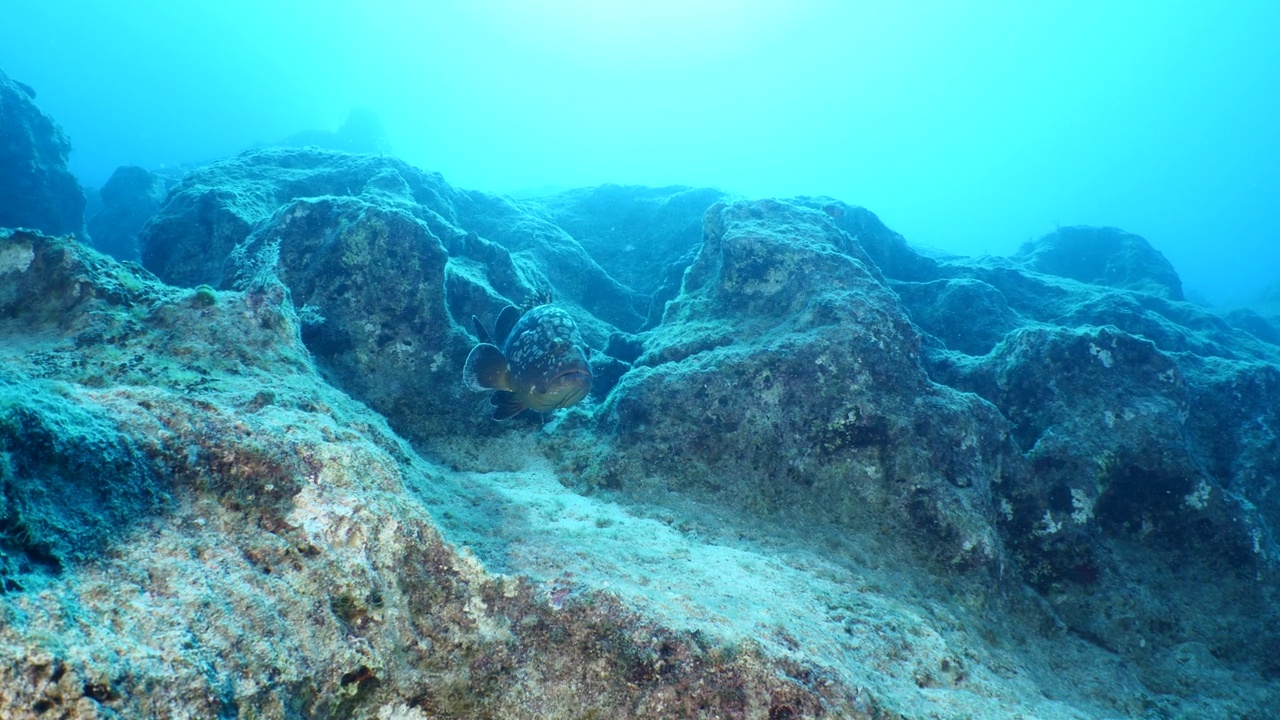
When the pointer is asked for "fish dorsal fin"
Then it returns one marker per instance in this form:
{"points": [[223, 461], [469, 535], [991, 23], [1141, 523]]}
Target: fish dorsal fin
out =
{"points": [[507, 319], [481, 333], [505, 405], [486, 369]]}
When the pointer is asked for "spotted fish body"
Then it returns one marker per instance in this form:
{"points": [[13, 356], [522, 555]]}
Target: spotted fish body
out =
{"points": [[536, 360]]}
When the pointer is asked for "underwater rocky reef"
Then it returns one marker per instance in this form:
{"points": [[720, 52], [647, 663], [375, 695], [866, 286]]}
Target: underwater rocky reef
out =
{"points": [[819, 474]]}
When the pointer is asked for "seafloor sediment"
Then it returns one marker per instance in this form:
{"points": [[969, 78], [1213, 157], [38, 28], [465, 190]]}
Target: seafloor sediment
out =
{"points": [[820, 474]]}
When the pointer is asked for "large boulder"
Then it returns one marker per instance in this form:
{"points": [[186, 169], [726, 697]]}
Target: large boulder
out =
{"points": [[786, 377], [36, 189], [1142, 488], [370, 282], [216, 207]]}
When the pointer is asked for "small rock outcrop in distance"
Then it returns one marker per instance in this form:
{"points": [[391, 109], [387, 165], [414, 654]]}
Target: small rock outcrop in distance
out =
{"points": [[1260, 316], [360, 132], [1103, 256], [36, 189], [128, 200], [633, 232], [1255, 323]]}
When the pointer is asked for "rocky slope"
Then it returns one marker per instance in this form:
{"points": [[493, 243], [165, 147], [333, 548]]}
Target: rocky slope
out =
{"points": [[195, 524]]}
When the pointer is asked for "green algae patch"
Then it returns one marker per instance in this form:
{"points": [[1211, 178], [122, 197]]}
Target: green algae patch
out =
{"points": [[204, 296], [71, 483]]}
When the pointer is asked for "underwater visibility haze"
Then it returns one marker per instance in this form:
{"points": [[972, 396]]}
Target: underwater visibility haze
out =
{"points": [[714, 359], [968, 127]]}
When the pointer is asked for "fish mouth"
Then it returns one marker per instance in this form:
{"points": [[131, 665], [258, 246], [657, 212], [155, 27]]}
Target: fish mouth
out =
{"points": [[571, 375], [573, 397], [575, 383]]}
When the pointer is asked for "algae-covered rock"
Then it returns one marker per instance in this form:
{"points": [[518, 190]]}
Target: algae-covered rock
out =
{"points": [[36, 189], [1146, 434], [1119, 508], [214, 208], [821, 474], [372, 280], [387, 265], [196, 524], [786, 377]]}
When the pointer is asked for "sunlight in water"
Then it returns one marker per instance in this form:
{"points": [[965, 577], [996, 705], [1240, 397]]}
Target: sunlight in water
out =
{"points": [[612, 34]]}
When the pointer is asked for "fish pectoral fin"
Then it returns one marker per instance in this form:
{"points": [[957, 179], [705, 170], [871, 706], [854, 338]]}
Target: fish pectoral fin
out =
{"points": [[487, 369], [481, 333], [505, 405], [507, 320]]}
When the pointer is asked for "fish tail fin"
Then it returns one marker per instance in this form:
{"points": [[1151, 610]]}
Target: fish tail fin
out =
{"points": [[505, 405], [486, 369]]}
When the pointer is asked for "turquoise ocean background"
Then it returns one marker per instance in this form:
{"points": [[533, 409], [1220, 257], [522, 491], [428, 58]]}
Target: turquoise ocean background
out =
{"points": [[968, 127]]}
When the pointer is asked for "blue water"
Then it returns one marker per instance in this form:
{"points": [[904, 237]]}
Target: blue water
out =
{"points": [[968, 127]]}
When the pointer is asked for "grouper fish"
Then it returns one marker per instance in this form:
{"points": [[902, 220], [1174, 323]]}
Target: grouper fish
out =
{"points": [[535, 360]]}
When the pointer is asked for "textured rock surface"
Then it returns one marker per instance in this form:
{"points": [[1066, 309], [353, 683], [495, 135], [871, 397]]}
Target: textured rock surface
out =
{"points": [[36, 189], [827, 476], [215, 208], [1149, 435], [127, 201], [392, 259], [286, 565], [786, 376]]}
